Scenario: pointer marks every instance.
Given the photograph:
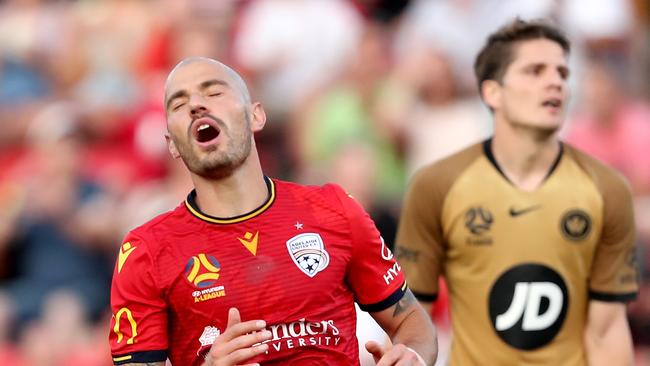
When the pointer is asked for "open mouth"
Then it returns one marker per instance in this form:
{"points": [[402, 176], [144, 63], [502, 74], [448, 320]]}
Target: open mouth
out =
{"points": [[553, 103], [206, 130]]}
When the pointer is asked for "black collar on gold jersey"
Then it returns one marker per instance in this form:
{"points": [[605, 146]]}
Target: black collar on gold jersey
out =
{"points": [[190, 203], [487, 149]]}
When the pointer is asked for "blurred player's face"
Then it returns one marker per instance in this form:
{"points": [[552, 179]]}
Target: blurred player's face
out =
{"points": [[209, 119], [533, 92]]}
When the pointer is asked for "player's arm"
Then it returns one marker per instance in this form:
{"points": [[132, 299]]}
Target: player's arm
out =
{"points": [[427, 306], [411, 332], [607, 334], [138, 331], [378, 284], [613, 278]]}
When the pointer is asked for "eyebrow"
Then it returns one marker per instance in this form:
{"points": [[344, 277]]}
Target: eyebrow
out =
{"points": [[204, 85]]}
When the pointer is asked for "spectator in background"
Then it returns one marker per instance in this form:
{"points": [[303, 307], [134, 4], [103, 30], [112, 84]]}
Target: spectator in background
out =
{"points": [[290, 46], [610, 124], [436, 117], [455, 27], [346, 112], [64, 231]]}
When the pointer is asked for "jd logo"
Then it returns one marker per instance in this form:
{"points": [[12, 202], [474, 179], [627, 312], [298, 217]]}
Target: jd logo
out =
{"points": [[478, 220], [525, 302], [528, 305]]}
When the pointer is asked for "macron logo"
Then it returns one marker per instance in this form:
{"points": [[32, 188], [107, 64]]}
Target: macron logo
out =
{"points": [[250, 241], [125, 250]]}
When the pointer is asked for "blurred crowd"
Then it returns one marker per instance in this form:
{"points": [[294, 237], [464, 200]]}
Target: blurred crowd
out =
{"points": [[359, 92]]}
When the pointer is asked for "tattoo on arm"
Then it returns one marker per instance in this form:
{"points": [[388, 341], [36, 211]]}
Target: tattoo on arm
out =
{"points": [[404, 254], [404, 303]]}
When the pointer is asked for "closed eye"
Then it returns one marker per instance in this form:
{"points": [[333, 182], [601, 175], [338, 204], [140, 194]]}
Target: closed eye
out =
{"points": [[214, 94], [536, 69], [564, 72], [178, 106]]}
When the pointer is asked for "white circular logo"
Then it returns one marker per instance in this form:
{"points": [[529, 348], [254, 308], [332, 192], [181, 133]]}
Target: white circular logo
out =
{"points": [[528, 305]]}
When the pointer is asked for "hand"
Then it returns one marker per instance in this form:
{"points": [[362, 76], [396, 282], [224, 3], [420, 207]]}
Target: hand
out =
{"points": [[239, 342], [398, 355]]}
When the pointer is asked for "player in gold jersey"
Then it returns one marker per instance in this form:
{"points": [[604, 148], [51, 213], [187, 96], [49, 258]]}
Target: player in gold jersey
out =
{"points": [[534, 238]]}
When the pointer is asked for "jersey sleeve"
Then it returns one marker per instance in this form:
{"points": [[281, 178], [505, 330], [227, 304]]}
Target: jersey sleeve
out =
{"points": [[419, 244], [614, 271], [138, 332], [374, 276]]}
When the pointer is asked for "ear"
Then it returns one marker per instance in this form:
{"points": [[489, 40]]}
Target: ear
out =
{"points": [[172, 147], [258, 118], [491, 93]]}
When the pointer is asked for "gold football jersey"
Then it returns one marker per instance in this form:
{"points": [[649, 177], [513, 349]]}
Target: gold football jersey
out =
{"points": [[520, 266]]}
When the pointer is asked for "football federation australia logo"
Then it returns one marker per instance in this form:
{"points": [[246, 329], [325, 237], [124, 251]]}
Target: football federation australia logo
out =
{"points": [[202, 270], [478, 220], [308, 253]]}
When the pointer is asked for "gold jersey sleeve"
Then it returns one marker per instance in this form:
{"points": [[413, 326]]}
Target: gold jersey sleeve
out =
{"points": [[520, 267], [613, 271], [420, 238]]}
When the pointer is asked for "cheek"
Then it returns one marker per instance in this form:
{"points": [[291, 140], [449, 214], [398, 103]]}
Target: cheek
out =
{"points": [[521, 98], [176, 126]]}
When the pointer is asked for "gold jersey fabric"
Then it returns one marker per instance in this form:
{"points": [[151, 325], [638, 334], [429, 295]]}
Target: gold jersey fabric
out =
{"points": [[520, 266]]}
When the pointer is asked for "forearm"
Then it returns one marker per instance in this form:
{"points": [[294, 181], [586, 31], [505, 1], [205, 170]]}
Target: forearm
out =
{"points": [[609, 342], [416, 330], [612, 348]]}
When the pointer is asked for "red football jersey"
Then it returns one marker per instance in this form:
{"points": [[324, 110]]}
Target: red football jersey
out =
{"points": [[299, 262]]}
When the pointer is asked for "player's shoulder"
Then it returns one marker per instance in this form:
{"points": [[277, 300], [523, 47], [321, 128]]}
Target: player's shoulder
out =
{"points": [[160, 226], [309, 191], [445, 171], [329, 195], [607, 180]]}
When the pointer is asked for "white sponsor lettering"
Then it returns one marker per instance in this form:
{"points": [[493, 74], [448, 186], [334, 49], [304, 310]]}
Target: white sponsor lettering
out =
{"points": [[392, 272], [526, 301], [302, 333]]}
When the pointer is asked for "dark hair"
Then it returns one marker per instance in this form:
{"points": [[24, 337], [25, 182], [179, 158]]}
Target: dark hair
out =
{"points": [[498, 52]]}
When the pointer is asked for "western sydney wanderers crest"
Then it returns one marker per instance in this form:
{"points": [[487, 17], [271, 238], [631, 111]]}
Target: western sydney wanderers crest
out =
{"points": [[308, 253]]}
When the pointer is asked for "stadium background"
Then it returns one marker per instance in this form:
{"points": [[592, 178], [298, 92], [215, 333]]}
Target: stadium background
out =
{"points": [[359, 92]]}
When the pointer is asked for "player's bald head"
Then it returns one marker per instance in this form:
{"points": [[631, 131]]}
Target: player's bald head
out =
{"points": [[214, 67]]}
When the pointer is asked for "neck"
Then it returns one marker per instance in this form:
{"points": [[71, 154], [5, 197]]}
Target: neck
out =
{"points": [[525, 155], [236, 194]]}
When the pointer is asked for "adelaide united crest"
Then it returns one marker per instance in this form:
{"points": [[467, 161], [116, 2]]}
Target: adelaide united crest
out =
{"points": [[308, 253]]}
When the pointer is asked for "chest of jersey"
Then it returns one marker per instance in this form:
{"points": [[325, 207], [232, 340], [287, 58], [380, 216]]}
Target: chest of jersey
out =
{"points": [[280, 266], [497, 225], [520, 261]]}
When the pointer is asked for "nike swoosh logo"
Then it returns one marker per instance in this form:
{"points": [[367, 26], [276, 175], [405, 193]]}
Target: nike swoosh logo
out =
{"points": [[125, 251], [250, 244], [515, 213]]}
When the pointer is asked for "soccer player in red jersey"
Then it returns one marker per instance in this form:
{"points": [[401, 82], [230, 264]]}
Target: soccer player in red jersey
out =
{"points": [[252, 270]]}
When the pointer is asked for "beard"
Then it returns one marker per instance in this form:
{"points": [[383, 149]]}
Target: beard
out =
{"points": [[217, 164]]}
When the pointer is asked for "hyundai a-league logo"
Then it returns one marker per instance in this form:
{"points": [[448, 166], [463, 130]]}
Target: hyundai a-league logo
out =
{"points": [[202, 270], [308, 253]]}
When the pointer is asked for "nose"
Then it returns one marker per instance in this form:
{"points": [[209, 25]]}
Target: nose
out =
{"points": [[556, 81], [197, 106]]}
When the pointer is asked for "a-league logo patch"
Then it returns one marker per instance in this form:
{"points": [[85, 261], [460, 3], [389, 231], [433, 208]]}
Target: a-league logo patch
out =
{"points": [[308, 253]]}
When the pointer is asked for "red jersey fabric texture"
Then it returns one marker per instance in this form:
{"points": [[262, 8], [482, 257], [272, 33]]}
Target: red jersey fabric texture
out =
{"points": [[299, 261]]}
